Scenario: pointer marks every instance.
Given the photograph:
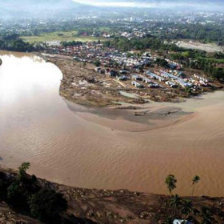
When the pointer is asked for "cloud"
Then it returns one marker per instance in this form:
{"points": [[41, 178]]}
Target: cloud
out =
{"points": [[101, 3]]}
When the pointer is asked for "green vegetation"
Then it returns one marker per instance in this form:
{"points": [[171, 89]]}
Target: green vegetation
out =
{"points": [[46, 205], [60, 37], [97, 63], [195, 181], [14, 43], [149, 42], [176, 207], [207, 33], [211, 64], [25, 194], [71, 43], [171, 183]]}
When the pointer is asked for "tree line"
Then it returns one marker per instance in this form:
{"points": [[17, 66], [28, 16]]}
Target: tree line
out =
{"points": [[150, 42], [196, 59], [12, 42]]}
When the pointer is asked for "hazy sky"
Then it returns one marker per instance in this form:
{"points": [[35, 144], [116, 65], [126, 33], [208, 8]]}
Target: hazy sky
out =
{"points": [[143, 3]]}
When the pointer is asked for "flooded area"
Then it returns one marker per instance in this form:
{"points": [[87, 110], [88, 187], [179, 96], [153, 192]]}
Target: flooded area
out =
{"points": [[107, 148]]}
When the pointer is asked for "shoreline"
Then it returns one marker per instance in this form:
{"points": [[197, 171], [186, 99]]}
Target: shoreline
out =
{"points": [[118, 206], [82, 85]]}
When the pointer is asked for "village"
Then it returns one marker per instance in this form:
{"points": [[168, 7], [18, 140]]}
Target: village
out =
{"points": [[93, 72]]}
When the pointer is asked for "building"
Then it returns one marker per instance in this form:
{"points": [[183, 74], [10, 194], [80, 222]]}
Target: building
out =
{"points": [[137, 85], [171, 84], [154, 76], [136, 77], [123, 78], [179, 221]]}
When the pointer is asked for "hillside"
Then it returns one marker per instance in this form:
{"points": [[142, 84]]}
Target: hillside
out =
{"points": [[88, 206]]}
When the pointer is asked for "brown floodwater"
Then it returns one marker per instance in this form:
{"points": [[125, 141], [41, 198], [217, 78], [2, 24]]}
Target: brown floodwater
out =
{"points": [[105, 148]]}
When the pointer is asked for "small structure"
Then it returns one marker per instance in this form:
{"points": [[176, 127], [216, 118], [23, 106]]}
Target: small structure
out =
{"points": [[154, 76], [137, 85], [136, 77], [122, 78], [171, 84], [179, 221], [181, 75], [153, 85], [123, 72], [183, 84], [112, 73], [168, 75], [146, 80], [97, 69]]}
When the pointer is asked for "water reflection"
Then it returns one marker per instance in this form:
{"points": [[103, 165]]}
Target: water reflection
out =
{"points": [[26, 79]]}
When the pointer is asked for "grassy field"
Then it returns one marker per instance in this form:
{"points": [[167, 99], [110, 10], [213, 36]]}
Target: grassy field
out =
{"points": [[59, 36]]}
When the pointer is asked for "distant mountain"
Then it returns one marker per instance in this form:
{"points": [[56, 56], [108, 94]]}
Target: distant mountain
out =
{"points": [[46, 8]]}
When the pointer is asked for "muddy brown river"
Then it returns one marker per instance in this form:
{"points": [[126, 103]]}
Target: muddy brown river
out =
{"points": [[105, 148]]}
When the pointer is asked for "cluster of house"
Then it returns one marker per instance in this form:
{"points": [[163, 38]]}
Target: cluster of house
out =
{"points": [[176, 78], [133, 34], [146, 80], [114, 60], [105, 56], [173, 64], [173, 78], [133, 61]]}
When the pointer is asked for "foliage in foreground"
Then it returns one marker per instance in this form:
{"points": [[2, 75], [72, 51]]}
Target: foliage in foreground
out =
{"points": [[24, 193], [176, 207]]}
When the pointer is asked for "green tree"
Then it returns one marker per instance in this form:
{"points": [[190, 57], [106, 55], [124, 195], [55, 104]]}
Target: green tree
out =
{"points": [[97, 63], [22, 170], [47, 205], [195, 181], [171, 183]]}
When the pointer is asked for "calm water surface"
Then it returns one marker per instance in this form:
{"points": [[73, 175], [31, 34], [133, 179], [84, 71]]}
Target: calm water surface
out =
{"points": [[83, 149]]}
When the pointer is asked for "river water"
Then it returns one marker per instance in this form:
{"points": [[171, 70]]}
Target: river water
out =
{"points": [[69, 144]]}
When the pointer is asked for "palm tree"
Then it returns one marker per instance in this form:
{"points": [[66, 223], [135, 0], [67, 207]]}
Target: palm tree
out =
{"points": [[171, 183], [195, 180]]}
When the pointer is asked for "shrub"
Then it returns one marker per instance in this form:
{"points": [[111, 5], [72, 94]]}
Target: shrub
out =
{"points": [[17, 196], [47, 205]]}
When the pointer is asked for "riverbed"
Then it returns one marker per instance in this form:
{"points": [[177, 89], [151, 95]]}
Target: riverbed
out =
{"points": [[107, 148]]}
